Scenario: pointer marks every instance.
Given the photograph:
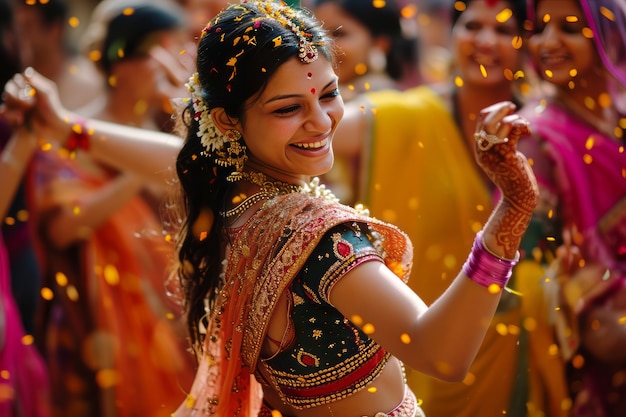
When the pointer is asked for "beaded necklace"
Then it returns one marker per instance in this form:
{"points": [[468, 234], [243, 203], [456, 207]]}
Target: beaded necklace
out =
{"points": [[269, 189]]}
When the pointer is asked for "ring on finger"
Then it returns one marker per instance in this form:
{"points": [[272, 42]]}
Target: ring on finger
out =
{"points": [[27, 92], [486, 140]]}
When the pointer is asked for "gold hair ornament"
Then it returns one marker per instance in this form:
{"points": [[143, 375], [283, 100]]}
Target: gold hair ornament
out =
{"points": [[278, 11], [225, 148], [288, 18]]}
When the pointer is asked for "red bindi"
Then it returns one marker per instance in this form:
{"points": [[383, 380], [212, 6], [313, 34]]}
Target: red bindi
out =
{"points": [[312, 90]]}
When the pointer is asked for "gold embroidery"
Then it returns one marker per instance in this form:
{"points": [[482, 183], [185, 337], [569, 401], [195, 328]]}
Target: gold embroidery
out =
{"points": [[297, 300], [302, 357], [281, 379], [306, 218]]}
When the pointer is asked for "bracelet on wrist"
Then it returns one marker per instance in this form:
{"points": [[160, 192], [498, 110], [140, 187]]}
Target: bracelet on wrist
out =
{"points": [[487, 269], [78, 138]]}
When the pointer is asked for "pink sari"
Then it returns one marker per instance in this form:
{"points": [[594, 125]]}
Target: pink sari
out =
{"points": [[24, 389], [590, 180]]}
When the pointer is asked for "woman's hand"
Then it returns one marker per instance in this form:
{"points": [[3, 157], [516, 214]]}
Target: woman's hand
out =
{"points": [[593, 301], [33, 100], [498, 130], [172, 72], [603, 308]]}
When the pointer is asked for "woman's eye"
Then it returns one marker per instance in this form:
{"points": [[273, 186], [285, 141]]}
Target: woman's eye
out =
{"points": [[286, 110], [473, 26], [334, 93], [568, 27], [507, 30]]}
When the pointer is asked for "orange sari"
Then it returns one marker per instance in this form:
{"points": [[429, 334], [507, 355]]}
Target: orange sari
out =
{"points": [[114, 340]]}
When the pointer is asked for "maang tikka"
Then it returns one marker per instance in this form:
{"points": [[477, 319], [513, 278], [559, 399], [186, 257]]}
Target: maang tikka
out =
{"points": [[225, 148]]}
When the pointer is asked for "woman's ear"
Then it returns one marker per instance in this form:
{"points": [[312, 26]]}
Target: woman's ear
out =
{"points": [[223, 121]]}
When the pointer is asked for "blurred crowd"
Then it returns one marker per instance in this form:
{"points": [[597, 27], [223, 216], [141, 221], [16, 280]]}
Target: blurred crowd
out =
{"points": [[90, 318]]}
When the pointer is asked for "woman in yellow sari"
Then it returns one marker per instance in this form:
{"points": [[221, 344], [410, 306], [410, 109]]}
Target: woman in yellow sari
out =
{"points": [[418, 171]]}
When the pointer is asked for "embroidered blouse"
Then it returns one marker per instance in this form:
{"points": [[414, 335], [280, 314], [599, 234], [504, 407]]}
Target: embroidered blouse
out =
{"points": [[282, 250], [328, 357]]}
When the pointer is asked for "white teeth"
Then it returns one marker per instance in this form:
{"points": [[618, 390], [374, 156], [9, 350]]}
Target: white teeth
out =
{"points": [[553, 59], [313, 145]]}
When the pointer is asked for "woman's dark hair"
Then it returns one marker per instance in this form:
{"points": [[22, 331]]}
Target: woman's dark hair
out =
{"points": [[238, 52], [382, 20], [518, 7], [51, 11], [9, 56], [127, 32]]}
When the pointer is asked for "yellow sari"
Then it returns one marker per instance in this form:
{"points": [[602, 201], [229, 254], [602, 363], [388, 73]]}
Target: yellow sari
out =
{"points": [[421, 177]]}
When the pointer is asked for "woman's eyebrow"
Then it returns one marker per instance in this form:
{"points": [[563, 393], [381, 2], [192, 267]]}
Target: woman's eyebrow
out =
{"points": [[285, 96]]}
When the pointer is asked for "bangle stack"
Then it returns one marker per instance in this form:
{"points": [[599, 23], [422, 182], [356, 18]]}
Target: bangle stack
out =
{"points": [[487, 269], [79, 137]]}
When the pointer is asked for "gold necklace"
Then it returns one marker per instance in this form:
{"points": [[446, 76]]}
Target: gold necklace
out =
{"points": [[269, 189], [269, 185]]}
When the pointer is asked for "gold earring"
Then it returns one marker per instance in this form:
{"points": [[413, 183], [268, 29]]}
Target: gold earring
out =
{"points": [[232, 154]]}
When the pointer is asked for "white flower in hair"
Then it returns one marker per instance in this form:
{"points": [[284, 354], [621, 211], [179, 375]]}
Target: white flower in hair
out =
{"points": [[210, 137]]}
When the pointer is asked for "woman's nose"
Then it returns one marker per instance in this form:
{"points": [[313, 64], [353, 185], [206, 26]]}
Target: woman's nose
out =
{"points": [[318, 120]]}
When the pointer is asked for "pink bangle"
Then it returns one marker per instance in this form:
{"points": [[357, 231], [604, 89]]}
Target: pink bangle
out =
{"points": [[486, 269]]}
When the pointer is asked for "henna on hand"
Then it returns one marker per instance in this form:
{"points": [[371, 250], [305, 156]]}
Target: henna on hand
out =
{"points": [[510, 171], [508, 168]]}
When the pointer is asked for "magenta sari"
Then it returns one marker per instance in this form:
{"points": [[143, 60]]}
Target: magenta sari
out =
{"points": [[590, 180], [24, 390], [589, 170]]}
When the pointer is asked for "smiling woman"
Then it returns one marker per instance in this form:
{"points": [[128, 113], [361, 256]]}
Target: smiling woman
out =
{"points": [[296, 305], [304, 107], [137, 51], [301, 290]]}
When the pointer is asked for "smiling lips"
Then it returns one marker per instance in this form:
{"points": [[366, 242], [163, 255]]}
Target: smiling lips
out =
{"points": [[485, 60], [312, 145], [553, 59]]}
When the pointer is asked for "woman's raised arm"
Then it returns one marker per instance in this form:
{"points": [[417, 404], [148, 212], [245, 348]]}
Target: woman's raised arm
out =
{"points": [[32, 99]]}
